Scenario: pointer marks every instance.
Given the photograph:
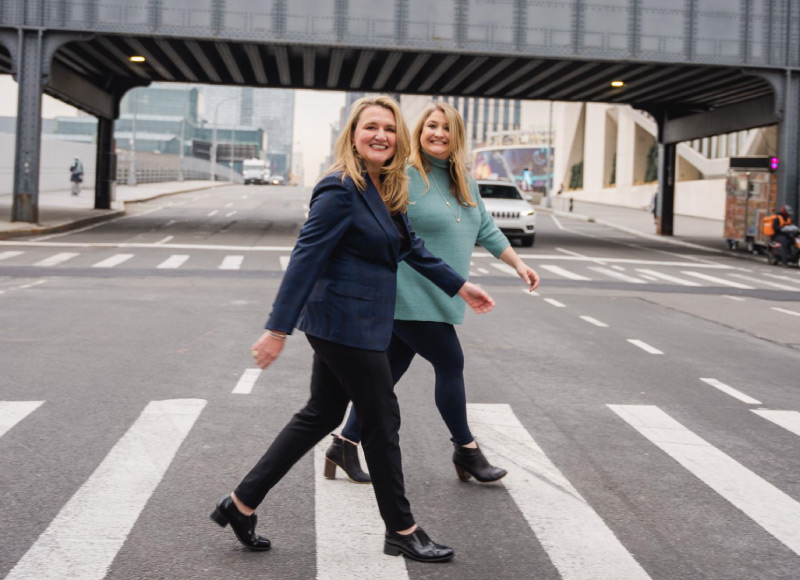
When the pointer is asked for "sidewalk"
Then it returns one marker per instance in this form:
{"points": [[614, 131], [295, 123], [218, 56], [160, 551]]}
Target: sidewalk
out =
{"points": [[61, 211], [687, 230]]}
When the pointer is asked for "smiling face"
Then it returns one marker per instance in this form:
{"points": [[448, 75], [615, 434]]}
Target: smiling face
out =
{"points": [[375, 137], [435, 136]]}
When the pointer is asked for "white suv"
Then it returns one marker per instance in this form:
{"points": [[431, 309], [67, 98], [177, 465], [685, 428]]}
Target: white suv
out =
{"points": [[511, 212]]}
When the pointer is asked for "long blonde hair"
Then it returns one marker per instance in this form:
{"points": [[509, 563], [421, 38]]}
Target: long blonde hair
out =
{"points": [[459, 174], [394, 181]]}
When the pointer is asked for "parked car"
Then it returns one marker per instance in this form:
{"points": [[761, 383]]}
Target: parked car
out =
{"points": [[277, 180], [512, 212]]}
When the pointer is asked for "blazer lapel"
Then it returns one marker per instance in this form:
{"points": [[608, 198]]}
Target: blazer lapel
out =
{"points": [[378, 209]]}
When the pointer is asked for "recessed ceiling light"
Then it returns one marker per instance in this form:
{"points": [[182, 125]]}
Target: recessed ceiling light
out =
{"points": [[137, 58], [617, 84]]}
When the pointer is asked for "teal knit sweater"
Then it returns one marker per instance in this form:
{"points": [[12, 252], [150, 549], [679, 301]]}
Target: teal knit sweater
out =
{"points": [[434, 222]]}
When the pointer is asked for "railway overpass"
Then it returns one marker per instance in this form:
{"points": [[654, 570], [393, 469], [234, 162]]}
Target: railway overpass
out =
{"points": [[699, 67]]}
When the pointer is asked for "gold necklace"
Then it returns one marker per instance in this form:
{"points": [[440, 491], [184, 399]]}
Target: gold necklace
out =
{"points": [[447, 203]]}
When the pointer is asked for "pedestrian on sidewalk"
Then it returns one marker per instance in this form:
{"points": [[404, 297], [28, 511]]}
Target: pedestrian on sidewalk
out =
{"points": [[446, 205], [76, 176], [339, 289]]}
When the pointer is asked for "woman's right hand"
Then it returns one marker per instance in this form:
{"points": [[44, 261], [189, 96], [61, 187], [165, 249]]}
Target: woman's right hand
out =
{"points": [[267, 348]]}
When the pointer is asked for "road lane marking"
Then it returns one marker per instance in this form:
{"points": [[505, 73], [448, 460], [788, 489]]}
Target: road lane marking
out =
{"points": [[31, 285], [229, 204], [787, 278], [582, 256], [783, 310], [577, 540], [284, 260], [727, 389], [594, 321], [350, 547], [57, 259], [505, 268], [113, 261], [230, 213], [554, 302], [212, 213], [9, 254], [483, 271], [618, 275], [246, 382], [667, 277], [716, 280], [529, 293], [231, 263], [644, 346], [164, 240], [765, 282], [174, 261], [12, 412], [562, 272], [768, 506], [737, 298], [789, 420], [84, 538], [557, 222]]}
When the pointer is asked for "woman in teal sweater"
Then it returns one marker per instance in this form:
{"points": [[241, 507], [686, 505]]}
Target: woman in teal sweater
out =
{"points": [[447, 211]]}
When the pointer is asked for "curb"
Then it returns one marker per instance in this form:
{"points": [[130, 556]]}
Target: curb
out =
{"points": [[81, 222]]}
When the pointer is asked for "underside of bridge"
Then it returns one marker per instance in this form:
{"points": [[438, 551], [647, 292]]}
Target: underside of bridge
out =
{"points": [[92, 72]]}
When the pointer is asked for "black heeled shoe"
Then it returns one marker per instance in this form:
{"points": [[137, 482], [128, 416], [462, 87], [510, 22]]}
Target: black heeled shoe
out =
{"points": [[471, 462], [243, 526], [417, 546], [344, 455]]}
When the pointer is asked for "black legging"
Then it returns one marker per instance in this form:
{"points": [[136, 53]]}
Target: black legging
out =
{"points": [[436, 342]]}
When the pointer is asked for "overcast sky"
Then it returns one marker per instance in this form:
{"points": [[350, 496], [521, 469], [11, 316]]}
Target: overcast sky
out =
{"points": [[314, 112]]}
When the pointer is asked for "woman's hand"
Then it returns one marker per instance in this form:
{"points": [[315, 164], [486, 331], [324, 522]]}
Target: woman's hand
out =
{"points": [[528, 275], [476, 297], [267, 348]]}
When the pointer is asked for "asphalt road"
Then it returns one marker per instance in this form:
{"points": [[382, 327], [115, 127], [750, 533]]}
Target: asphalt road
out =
{"points": [[645, 402]]}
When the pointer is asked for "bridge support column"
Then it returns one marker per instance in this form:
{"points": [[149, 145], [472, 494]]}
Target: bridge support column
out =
{"points": [[106, 167], [788, 136], [665, 206], [30, 77]]}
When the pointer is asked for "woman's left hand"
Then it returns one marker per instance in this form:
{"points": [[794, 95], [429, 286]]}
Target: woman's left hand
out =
{"points": [[266, 349], [528, 275]]}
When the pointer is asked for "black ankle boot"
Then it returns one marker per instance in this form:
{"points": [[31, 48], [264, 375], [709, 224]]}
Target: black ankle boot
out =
{"points": [[472, 462], [417, 546], [344, 455], [243, 526]]}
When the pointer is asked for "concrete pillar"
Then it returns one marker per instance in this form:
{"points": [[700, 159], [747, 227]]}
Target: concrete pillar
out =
{"points": [[626, 147], [665, 211], [594, 152], [25, 204], [106, 167], [788, 134]]}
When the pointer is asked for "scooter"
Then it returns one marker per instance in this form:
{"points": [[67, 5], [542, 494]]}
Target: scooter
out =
{"points": [[774, 248]]}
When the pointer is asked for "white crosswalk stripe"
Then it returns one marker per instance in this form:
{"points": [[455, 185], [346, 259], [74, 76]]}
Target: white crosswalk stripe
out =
{"points": [[717, 280], [231, 263], [618, 275], [789, 420], [113, 261], [174, 261], [57, 259], [667, 277], [284, 260], [563, 272], [578, 542], [72, 548], [9, 254], [755, 280], [770, 507], [12, 412]]}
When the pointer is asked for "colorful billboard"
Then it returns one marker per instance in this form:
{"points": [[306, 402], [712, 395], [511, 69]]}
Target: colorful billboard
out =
{"points": [[511, 163]]}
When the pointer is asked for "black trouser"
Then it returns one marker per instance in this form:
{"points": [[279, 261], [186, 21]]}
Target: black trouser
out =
{"points": [[340, 374], [436, 342]]}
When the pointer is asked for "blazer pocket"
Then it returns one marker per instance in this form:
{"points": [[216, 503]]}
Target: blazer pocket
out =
{"points": [[354, 290]]}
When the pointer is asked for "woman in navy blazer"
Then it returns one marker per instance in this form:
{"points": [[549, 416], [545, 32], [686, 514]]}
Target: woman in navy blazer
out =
{"points": [[339, 288]]}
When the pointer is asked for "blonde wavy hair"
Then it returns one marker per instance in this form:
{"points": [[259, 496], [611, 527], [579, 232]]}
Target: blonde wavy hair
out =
{"points": [[394, 181], [459, 172]]}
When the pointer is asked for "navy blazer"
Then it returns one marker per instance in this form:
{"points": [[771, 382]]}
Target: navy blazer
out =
{"points": [[341, 281]]}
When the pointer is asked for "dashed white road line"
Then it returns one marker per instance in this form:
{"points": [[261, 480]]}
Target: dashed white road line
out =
{"points": [[728, 390], [767, 505], [618, 275], [246, 382], [175, 261], [231, 263], [667, 277], [765, 282], [784, 311], [212, 213], [644, 346], [164, 240], [789, 420], [529, 293], [230, 213], [555, 302], [736, 298], [594, 321]]}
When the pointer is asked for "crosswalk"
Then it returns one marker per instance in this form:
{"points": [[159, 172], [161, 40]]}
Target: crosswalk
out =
{"points": [[84, 538], [639, 273]]}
